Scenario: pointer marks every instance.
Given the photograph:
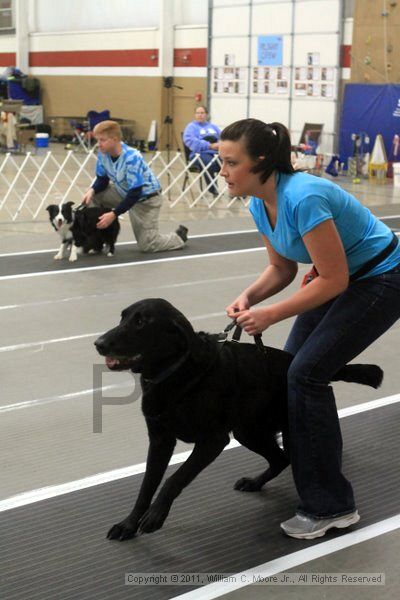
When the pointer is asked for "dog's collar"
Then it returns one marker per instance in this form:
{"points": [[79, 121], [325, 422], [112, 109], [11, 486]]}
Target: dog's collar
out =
{"points": [[169, 370]]}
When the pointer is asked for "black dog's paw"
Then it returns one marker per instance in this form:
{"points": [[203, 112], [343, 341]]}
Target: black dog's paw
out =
{"points": [[121, 532], [246, 484], [153, 519]]}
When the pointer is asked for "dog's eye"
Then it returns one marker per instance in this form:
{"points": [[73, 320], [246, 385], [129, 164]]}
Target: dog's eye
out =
{"points": [[139, 320]]}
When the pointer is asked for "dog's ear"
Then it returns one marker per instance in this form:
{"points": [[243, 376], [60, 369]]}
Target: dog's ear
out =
{"points": [[51, 207], [69, 203], [189, 336]]}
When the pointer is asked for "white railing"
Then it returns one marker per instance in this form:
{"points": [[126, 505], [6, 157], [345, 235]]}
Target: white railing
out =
{"points": [[29, 183]]}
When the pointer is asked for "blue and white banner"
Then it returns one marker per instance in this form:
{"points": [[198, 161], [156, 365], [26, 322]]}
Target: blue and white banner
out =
{"points": [[370, 109]]}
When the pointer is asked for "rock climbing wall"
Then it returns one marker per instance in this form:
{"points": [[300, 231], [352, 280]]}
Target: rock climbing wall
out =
{"points": [[375, 53]]}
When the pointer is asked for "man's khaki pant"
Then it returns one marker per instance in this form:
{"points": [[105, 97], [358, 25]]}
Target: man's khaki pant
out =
{"points": [[144, 220]]}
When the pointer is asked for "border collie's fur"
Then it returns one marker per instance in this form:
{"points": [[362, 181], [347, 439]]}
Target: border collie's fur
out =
{"points": [[61, 218], [78, 230]]}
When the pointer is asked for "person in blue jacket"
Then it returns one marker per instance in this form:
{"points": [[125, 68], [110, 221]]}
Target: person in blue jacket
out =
{"points": [[134, 188], [351, 297], [201, 137]]}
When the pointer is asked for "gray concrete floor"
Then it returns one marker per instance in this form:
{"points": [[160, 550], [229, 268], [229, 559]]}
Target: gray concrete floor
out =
{"points": [[50, 441]]}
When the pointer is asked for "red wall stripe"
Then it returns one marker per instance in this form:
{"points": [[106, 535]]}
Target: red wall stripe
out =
{"points": [[8, 59], [95, 58], [183, 57], [190, 57], [345, 56]]}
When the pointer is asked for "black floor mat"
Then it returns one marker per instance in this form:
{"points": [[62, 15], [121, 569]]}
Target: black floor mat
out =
{"points": [[38, 263], [57, 548]]}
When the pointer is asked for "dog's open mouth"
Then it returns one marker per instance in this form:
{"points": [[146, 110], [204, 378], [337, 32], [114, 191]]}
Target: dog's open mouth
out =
{"points": [[122, 363]]}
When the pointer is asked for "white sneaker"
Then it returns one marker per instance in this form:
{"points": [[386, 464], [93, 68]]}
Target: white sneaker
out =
{"points": [[307, 528]]}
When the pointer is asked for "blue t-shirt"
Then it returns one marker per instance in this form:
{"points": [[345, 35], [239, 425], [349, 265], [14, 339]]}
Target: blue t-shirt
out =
{"points": [[129, 171], [194, 135], [303, 202]]}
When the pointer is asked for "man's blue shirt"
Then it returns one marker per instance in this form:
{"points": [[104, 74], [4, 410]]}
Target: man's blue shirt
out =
{"points": [[129, 171]]}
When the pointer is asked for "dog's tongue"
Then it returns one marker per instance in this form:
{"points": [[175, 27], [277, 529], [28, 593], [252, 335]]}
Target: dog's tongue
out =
{"points": [[111, 362]]}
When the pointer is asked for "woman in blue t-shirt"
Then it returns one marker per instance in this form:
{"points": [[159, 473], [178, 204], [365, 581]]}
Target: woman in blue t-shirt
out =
{"points": [[201, 137], [351, 298]]}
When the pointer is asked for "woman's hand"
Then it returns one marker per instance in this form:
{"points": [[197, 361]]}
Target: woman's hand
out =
{"points": [[255, 321], [242, 302]]}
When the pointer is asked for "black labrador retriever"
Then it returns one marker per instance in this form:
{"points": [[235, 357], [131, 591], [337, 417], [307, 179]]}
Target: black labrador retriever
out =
{"points": [[198, 390]]}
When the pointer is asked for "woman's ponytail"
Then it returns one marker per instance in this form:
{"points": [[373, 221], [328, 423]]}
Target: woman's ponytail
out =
{"points": [[270, 141]]}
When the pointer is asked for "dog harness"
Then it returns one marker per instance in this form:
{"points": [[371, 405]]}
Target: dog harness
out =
{"points": [[223, 336]]}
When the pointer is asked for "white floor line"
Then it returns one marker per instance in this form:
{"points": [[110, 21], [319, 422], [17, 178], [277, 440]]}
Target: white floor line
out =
{"points": [[168, 286], [289, 561], [47, 342], [133, 263], [40, 345], [390, 217], [133, 242], [364, 406], [200, 235], [130, 264], [81, 336], [80, 484], [60, 398]]}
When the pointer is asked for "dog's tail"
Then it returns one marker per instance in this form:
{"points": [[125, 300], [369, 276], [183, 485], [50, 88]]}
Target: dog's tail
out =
{"points": [[366, 374]]}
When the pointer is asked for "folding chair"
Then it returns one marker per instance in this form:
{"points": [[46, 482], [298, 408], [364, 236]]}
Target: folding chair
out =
{"points": [[83, 131], [309, 159], [192, 169], [310, 137]]}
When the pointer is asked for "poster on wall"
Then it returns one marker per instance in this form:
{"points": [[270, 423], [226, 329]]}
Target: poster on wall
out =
{"points": [[229, 79], [300, 89], [315, 80], [313, 58], [269, 50], [327, 74], [271, 80], [229, 60], [327, 91]]}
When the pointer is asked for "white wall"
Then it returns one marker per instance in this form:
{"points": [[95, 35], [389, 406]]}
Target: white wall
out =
{"points": [[94, 40], [90, 25], [306, 26], [81, 15], [78, 15], [190, 12], [7, 43]]}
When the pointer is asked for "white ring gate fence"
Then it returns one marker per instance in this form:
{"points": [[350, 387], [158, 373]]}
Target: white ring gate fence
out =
{"points": [[30, 182]]}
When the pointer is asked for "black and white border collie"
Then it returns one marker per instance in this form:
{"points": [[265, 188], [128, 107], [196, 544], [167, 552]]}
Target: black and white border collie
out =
{"points": [[61, 217], [78, 230]]}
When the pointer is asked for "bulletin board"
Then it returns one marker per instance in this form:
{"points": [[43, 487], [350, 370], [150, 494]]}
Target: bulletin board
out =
{"points": [[276, 60]]}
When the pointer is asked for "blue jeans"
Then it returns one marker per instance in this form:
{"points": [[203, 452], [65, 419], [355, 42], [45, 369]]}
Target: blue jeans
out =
{"points": [[212, 170], [322, 341]]}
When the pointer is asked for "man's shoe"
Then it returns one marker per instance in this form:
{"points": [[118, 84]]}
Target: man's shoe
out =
{"points": [[182, 231], [307, 528]]}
